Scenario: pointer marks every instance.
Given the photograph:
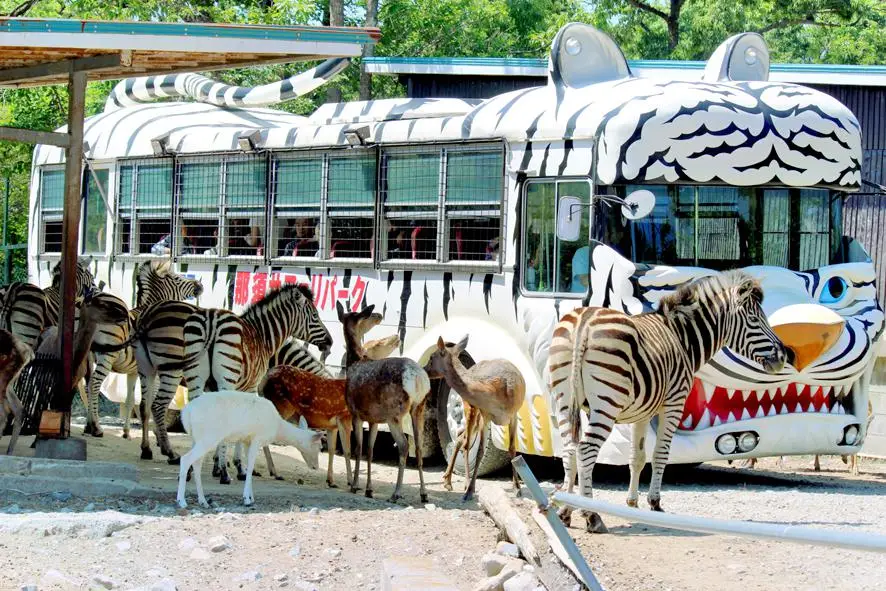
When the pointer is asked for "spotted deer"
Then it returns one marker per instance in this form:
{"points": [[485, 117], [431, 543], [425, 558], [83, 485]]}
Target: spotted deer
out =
{"points": [[319, 399], [493, 392]]}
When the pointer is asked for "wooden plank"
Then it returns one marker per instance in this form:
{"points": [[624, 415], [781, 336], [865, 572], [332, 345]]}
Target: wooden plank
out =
{"points": [[17, 134], [70, 227], [496, 503], [44, 70]]}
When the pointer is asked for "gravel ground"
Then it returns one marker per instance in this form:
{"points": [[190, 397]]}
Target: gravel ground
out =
{"points": [[301, 535]]}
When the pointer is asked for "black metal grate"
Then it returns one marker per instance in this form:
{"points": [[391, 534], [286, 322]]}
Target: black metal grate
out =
{"points": [[36, 387]]}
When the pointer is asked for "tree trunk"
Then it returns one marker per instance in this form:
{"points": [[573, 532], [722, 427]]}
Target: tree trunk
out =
{"points": [[336, 19], [368, 50]]}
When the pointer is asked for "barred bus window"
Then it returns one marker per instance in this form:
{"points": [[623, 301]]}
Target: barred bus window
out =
{"points": [[52, 192], [298, 187], [145, 206], [776, 204], [350, 201], [653, 239], [411, 196], [199, 210], [95, 214], [815, 249], [474, 191], [245, 190]]}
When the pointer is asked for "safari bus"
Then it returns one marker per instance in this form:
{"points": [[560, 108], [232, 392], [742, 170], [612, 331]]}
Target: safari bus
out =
{"points": [[493, 218]]}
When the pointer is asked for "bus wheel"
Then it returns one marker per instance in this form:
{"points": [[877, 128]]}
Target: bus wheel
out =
{"points": [[451, 423]]}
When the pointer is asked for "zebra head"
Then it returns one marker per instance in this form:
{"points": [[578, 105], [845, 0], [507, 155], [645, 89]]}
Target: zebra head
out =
{"points": [[308, 326], [156, 282], [85, 280], [749, 333]]}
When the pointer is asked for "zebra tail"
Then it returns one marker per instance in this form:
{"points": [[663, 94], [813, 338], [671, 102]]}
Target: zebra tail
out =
{"points": [[579, 348]]}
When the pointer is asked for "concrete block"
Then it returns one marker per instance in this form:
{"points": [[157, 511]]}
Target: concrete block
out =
{"points": [[405, 573], [80, 487], [72, 448]]}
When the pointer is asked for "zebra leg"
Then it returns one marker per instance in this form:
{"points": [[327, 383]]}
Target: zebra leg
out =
{"points": [[128, 403], [570, 472], [270, 462], [18, 419], [668, 420], [598, 430], [638, 459], [148, 385], [165, 393], [93, 394]]}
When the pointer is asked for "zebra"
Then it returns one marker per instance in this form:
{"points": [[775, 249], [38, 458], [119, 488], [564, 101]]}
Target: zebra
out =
{"points": [[233, 351], [629, 369], [155, 282], [297, 355], [27, 310]]}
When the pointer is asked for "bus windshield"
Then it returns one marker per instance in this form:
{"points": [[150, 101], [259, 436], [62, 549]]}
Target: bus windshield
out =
{"points": [[716, 227]]}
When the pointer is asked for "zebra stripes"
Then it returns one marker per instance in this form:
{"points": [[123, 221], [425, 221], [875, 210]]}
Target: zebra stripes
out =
{"points": [[23, 312], [296, 355], [133, 91], [629, 369], [84, 284], [155, 283], [233, 351]]}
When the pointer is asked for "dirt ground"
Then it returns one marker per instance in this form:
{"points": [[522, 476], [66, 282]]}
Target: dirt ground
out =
{"points": [[302, 535]]}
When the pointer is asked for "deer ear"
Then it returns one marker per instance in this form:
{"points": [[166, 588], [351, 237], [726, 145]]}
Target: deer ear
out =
{"points": [[462, 345], [341, 311], [440, 344], [302, 422]]}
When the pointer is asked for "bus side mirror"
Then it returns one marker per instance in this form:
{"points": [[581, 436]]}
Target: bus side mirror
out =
{"points": [[569, 218], [638, 204]]}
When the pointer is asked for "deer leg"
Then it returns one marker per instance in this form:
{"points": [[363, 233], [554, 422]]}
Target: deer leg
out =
{"points": [[331, 437], [272, 470], [638, 460], [15, 406], [418, 427], [251, 456], [403, 450], [194, 458], [816, 465], [481, 449], [512, 451], [128, 404], [469, 423], [447, 476], [358, 432], [345, 427], [373, 431]]}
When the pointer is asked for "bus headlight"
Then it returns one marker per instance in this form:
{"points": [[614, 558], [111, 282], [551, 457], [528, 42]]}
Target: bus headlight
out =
{"points": [[747, 441], [726, 444], [850, 435]]}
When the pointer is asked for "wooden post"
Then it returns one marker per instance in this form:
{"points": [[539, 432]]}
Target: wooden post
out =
{"points": [[71, 227]]}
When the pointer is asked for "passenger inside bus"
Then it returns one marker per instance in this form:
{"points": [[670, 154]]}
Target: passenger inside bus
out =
{"points": [[301, 238], [164, 246], [245, 237]]}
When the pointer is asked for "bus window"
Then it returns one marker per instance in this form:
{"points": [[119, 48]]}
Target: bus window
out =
{"points": [[95, 214], [244, 201], [144, 205], [298, 194], [411, 185], [652, 239], [552, 265], [199, 187], [350, 206], [473, 198], [52, 190]]}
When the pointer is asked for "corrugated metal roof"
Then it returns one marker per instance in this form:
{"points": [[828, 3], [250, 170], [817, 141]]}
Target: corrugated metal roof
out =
{"points": [[143, 48], [852, 75]]}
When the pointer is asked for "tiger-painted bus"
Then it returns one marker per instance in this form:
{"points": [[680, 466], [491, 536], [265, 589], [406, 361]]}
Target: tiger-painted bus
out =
{"points": [[444, 214]]}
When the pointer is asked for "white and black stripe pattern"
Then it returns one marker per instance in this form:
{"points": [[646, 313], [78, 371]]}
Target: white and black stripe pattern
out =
{"points": [[295, 354], [133, 91], [631, 369], [23, 312], [84, 286], [225, 351], [155, 282]]}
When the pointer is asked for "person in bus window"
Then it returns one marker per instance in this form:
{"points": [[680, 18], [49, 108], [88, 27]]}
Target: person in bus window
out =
{"points": [[580, 263], [164, 246], [246, 237], [304, 242]]}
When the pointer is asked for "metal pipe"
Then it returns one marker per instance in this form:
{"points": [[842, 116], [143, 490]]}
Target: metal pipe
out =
{"points": [[861, 540], [550, 514]]}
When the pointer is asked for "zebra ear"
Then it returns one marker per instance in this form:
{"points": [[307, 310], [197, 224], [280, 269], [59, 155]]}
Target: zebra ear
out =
{"points": [[749, 289]]}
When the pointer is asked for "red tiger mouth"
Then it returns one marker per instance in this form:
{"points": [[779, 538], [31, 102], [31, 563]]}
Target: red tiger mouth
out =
{"points": [[709, 406]]}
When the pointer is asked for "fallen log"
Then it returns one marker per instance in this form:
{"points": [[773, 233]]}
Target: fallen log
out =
{"points": [[496, 503]]}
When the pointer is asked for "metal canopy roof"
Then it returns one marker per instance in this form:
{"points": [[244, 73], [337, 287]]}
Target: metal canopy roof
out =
{"points": [[37, 52], [849, 75]]}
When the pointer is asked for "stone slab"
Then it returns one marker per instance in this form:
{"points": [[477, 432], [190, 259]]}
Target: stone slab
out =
{"points": [[72, 448], [67, 469], [80, 487], [406, 573]]}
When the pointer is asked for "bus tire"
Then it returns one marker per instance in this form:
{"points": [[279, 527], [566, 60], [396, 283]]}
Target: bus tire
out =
{"points": [[449, 414]]}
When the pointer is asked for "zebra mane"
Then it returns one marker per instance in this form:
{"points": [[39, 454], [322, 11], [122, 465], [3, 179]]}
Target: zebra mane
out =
{"points": [[83, 264], [685, 299], [272, 295]]}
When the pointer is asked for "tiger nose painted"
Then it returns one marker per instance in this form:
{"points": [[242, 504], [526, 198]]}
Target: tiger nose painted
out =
{"points": [[808, 330]]}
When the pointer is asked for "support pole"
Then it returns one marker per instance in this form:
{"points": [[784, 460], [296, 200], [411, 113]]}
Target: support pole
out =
{"points": [[70, 227], [7, 253]]}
